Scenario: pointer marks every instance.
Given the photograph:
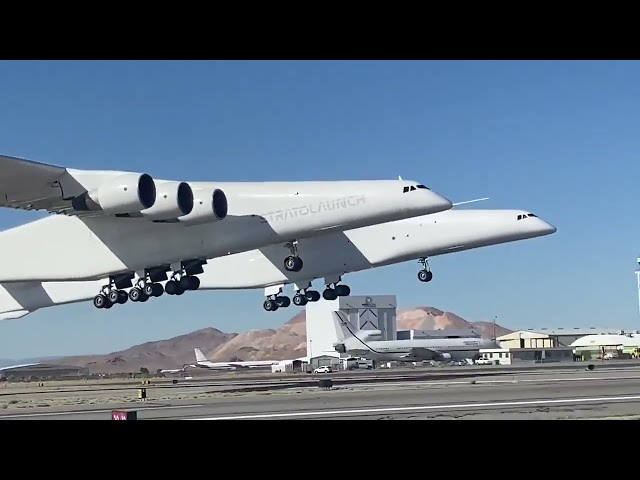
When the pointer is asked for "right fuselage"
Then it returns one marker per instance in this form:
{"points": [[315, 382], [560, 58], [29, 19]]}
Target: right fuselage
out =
{"points": [[334, 253], [60, 248], [360, 249]]}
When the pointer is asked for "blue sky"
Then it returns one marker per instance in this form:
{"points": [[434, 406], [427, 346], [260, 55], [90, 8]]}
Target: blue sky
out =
{"points": [[561, 139]]}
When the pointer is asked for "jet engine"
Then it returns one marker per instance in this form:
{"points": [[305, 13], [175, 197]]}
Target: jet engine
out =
{"points": [[174, 199], [210, 205], [340, 347], [127, 193], [443, 356]]}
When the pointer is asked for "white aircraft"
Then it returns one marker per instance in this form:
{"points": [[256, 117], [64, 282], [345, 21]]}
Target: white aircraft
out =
{"points": [[203, 362], [117, 225], [330, 256], [360, 344]]}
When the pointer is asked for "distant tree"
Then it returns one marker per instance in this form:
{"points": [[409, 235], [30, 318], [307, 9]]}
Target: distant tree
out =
{"points": [[144, 370]]}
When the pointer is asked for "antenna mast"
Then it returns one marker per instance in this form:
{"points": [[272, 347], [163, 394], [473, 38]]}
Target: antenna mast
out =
{"points": [[638, 277]]}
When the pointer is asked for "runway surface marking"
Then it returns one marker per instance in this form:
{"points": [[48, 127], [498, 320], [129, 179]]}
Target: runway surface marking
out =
{"points": [[424, 407], [392, 385], [83, 412]]}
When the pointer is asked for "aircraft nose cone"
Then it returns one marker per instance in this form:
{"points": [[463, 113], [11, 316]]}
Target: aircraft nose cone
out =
{"points": [[441, 203], [547, 228]]}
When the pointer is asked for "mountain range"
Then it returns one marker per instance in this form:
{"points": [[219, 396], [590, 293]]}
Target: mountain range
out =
{"points": [[286, 342]]}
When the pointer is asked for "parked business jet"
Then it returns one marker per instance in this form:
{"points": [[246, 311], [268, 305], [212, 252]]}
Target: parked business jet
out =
{"points": [[362, 344], [126, 227], [329, 257]]}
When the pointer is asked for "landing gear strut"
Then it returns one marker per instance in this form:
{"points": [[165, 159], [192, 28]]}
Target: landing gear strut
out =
{"points": [[425, 274], [293, 263]]}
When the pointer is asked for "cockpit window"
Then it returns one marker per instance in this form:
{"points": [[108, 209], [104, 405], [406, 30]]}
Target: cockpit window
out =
{"points": [[532, 215], [411, 188], [526, 215]]}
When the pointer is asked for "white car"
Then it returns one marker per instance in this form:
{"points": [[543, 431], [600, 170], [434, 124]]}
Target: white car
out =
{"points": [[483, 361], [323, 369]]}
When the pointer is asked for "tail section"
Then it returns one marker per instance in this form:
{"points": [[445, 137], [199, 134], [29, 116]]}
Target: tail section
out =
{"points": [[342, 331], [200, 357]]}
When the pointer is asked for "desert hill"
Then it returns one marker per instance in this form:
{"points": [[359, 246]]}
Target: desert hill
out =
{"points": [[288, 341]]}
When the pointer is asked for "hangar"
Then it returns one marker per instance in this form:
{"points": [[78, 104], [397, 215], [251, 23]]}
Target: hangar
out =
{"points": [[41, 371], [607, 346], [551, 337]]}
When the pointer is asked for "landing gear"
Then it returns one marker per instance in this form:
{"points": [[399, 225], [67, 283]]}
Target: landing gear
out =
{"points": [[112, 294], [304, 296], [334, 291], [293, 263], [147, 286], [181, 282], [425, 274], [274, 302]]}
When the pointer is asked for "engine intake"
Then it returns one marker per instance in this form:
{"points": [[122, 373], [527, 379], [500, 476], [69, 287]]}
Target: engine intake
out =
{"points": [[127, 193], [174, 199], [210, 205]]}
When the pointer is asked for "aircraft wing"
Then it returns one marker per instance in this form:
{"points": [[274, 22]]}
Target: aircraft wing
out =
{"points": [[422, 352], [29, 185]]}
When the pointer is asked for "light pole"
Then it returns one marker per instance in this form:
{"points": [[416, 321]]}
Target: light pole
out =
{"points": [[495, 317], [638, 276]]}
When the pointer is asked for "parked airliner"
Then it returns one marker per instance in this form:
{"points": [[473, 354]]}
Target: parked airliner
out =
{"points": [[362, 344], [330, 257]]}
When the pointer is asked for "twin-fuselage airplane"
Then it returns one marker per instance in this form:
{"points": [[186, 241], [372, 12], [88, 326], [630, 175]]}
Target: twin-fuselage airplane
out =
{"points": [[137, 231]]}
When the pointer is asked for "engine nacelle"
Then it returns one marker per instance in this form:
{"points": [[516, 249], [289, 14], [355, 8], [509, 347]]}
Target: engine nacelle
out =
{"points": [[340, 347], [210, 205], [127, 193], [174, 199], [443, 356]]}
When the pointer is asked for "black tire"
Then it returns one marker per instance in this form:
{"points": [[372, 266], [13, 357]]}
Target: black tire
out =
{"points": [[113, 296], [99, 301], [135, 294]]}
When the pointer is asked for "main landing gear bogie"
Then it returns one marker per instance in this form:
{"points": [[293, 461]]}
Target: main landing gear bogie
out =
{"points": [[148, 287], [302, 297], [425, 275]]}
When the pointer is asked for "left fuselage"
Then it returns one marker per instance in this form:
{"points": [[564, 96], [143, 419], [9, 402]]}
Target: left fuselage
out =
{"points": [[68, 248]]}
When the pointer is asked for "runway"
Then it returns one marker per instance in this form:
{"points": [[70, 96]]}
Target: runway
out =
{"points": [[577, 394]]}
